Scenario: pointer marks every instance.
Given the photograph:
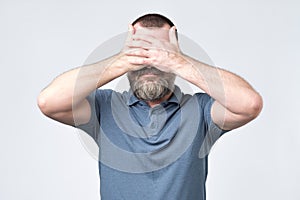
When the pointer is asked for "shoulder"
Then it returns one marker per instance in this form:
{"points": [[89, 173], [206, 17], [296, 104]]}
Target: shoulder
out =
{"points": [[203, 98], [109, 96]]}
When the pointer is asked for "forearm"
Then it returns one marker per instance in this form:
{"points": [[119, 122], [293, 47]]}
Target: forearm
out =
{"points": [[70, 88], [229, 89]]}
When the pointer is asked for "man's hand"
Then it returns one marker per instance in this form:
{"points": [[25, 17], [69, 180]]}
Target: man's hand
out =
{"points": [[236, 103], [127, 58], [143, 48]]}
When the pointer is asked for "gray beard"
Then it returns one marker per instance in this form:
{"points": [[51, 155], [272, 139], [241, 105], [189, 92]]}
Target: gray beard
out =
{"points": [[150, 90]]}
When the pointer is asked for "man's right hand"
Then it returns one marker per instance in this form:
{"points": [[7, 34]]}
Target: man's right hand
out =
{"points": [[64, 99]]}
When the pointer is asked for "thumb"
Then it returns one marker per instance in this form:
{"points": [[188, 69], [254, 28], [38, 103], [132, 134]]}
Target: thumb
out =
{"points": [[173, 35], [131, 31], [128, 39]]}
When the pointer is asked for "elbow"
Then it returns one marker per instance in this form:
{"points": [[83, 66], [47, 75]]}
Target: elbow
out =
{"points": [[255, 106], [43, 104], [48, 105], [53, 105]]}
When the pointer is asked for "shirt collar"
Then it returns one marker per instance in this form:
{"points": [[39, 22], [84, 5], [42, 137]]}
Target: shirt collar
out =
{"points": [[175, 98]]}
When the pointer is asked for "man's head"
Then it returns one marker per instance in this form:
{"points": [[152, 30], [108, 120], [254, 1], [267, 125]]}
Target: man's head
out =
{"points": [[154, 21], [149, 83]]}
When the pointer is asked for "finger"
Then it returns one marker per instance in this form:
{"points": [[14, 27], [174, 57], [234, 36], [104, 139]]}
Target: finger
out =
{"points": [[138, 44], [135, 60], [173, 35], [138, 53], [142, 37]]}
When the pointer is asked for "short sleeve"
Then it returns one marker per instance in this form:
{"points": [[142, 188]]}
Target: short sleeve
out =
{"points": [[92, 127], [212, 131]]}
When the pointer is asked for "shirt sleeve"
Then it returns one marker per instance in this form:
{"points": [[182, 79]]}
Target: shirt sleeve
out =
{"points": [[92, 127], [212, 131]]}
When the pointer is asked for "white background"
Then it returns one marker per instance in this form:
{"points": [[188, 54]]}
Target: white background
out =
{"points": [[259, 40]]}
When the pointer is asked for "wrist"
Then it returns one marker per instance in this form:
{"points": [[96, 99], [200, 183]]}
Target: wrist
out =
{"points": [[181, 64], [117, 64]]}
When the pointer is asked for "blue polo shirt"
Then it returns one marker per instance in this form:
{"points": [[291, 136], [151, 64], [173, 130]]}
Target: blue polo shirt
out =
{"points": [[152, 153]]}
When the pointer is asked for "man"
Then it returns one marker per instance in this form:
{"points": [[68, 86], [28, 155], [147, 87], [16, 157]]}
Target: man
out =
{"points": [[153, 139]]}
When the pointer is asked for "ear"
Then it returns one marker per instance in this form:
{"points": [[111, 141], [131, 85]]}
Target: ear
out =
{"points": [[172, 35]]}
